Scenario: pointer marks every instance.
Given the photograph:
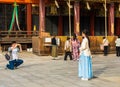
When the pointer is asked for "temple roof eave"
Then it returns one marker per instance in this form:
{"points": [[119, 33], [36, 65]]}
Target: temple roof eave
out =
{"points": [[95, 0]]}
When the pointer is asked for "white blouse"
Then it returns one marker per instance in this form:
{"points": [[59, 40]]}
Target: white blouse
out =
{"points": [[117, 41], [105, 42], [14, 52], [67, 44], [85, 47]]}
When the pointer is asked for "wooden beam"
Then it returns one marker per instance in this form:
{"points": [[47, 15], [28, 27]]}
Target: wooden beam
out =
{"points": [[22, 1], [12, 1], [101, 1]]}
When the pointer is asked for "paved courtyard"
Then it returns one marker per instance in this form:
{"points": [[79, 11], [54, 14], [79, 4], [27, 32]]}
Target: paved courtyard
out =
{"points": [[42, 71]]}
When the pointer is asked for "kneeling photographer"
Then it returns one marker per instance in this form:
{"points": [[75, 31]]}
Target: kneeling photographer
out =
{"points": [[14, 61]]}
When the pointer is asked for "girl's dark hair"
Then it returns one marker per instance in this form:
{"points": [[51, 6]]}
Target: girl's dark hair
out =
{"points": [[86, 34], [74, 37], [104, 37], [68, 38], [118, 36], [13, 42]]}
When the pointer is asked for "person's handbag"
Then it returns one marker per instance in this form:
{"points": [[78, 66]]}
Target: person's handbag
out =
{"points": [[101, 46], [7, 56]]}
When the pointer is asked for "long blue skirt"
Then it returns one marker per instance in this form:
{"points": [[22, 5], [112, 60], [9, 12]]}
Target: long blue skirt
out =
{"points": [[85, 67]]}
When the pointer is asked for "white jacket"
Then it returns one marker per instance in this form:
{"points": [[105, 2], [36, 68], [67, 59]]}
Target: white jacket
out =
{"points": [[117, 42], [85, 47], [105, 42]]}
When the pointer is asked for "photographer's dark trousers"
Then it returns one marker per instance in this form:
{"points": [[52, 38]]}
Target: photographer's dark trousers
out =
{"points": [[105, 50], [117, 50], [14, 63], [68, 54]]}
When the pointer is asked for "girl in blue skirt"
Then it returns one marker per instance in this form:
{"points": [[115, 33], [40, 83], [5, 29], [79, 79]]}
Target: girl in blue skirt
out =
{"points": [[85, 63]]}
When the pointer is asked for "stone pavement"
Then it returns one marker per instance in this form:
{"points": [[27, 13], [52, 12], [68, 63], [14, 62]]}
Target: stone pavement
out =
{"points": [[42, 71]]}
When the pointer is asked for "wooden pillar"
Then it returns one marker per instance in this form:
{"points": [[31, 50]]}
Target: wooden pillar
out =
{"points": [[29, 18], [111, 20], [60, 26], [77, 18], [41, 17], [117, 26], [92, 24]]}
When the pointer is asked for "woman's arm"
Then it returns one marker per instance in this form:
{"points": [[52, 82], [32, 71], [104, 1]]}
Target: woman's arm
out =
{"points": [[19, 45], [83, 45]]}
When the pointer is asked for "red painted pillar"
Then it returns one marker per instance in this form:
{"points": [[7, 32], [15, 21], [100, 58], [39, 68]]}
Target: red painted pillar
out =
{"points": [[41, 16], [77, 18], [60, 26], [29, 18], [117, 26], [92, 20], [111, 20]]}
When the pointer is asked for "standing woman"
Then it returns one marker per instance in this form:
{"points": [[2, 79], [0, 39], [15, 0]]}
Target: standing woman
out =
{"points": [[105, 44], [85, 62], [75, 47], [54, 53]]}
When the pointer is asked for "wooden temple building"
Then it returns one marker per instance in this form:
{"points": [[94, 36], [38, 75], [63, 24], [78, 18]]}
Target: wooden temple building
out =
{"points": [[41, 18]]}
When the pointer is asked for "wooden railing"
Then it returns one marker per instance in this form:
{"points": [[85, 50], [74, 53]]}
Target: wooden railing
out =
{"points": [[22, 37], [19, 33]]}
